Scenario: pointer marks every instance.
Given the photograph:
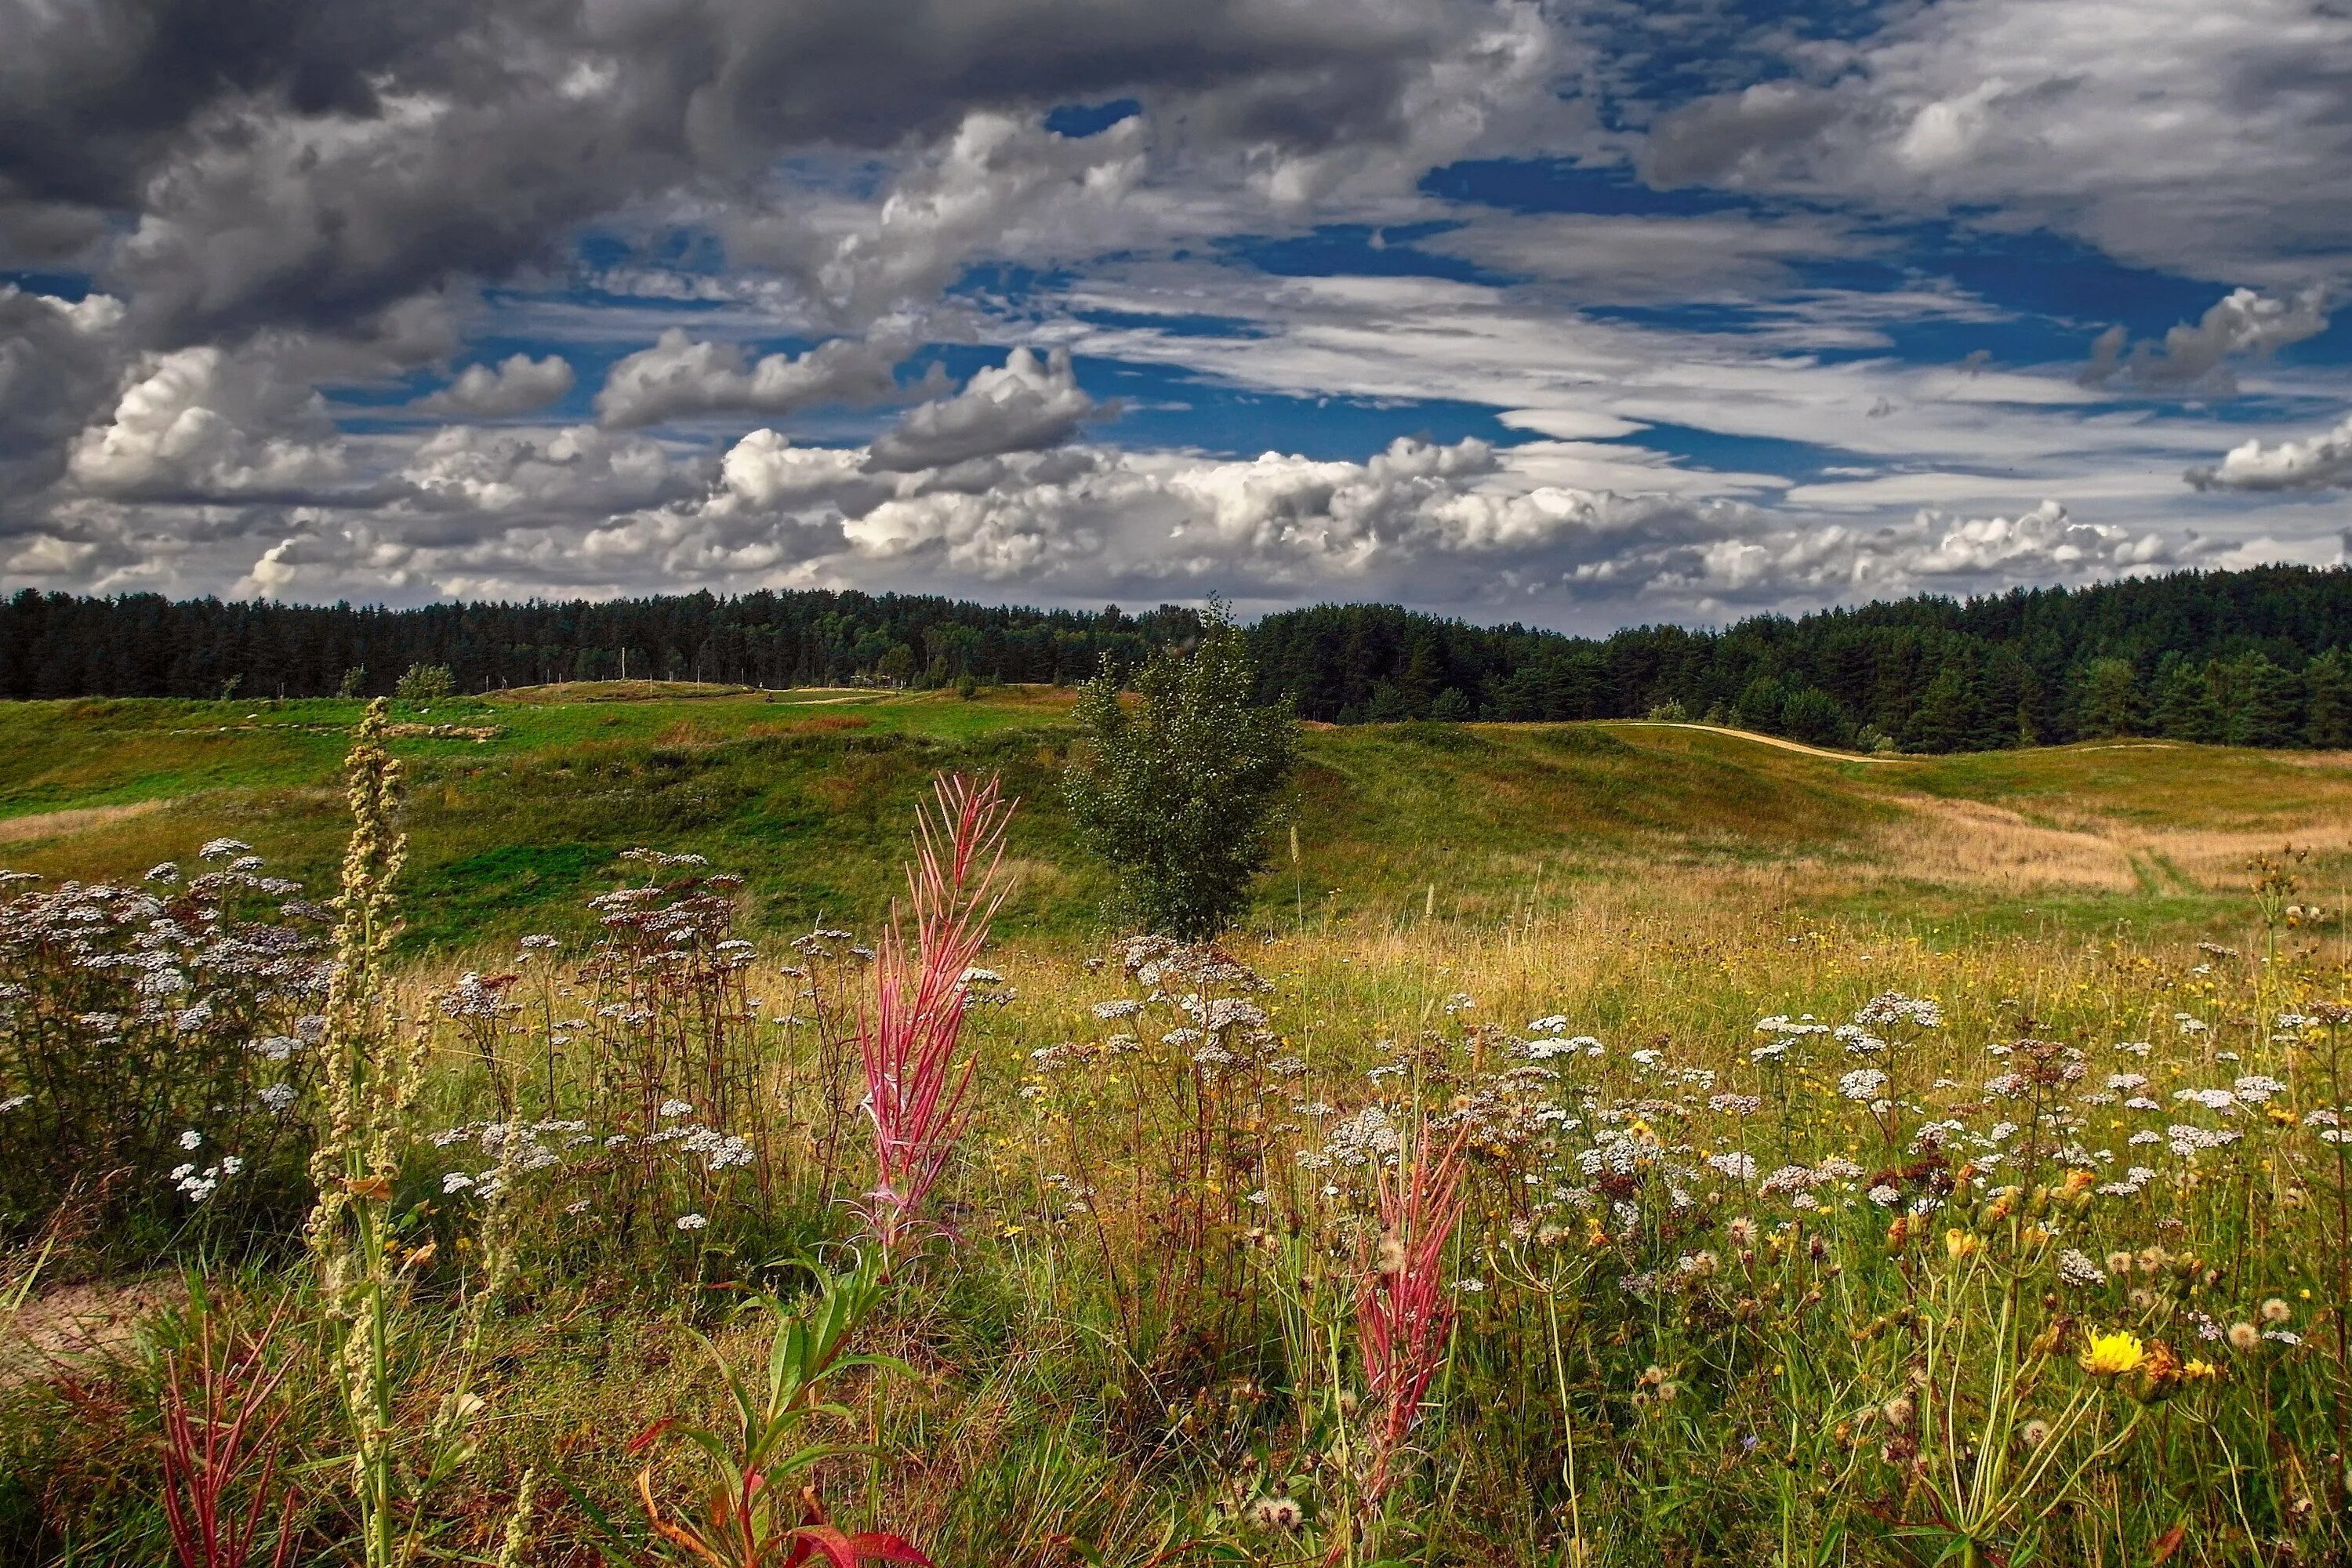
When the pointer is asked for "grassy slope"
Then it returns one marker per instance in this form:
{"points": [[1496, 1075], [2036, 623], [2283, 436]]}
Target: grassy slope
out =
{"points": [[808, 793]]}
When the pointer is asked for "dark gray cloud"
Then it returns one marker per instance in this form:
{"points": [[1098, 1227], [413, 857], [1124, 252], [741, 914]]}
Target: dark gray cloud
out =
{"points": [[1729, 138], [2174, 134], [283, 196], [57, 365], [306, 166], [298, 214], [2243, 324], [1029, 404]]}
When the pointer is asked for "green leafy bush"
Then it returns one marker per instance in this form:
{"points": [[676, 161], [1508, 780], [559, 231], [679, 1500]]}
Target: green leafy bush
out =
{"points": [[1180, 793], [425, 683]]}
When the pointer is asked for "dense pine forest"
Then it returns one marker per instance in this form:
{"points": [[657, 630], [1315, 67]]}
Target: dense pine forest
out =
{"points": [[2256, 657]]}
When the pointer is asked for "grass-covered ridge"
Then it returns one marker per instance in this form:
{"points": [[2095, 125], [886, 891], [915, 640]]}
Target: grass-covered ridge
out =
{"points": [[520, 803]]}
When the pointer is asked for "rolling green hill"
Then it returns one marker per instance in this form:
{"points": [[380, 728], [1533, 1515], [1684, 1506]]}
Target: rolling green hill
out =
{"points": [[520, 803]]}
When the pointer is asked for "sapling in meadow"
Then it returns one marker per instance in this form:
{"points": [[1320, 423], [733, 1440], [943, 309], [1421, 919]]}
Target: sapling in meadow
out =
{"points": [[1180, 794]]}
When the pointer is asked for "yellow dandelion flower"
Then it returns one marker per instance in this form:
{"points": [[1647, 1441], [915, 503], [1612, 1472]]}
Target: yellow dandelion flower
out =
{"points": [[2114, 1354], [1960, 1244]]}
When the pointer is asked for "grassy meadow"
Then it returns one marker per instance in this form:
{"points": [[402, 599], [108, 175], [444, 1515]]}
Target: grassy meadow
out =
{"points": [[1860, 1161]]}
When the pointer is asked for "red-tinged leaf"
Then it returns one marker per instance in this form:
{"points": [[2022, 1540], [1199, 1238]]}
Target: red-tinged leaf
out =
{"points": [[844, 1551], [693, 1544], [880, 1547], [649, 1437], [2168, 1543], [830, 1541]]}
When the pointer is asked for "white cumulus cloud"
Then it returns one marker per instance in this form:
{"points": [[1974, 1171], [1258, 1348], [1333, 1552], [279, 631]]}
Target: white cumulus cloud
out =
{"points": [[1029, 403], [515, 384], [2324, 462], [199, 423], [679, 377]]}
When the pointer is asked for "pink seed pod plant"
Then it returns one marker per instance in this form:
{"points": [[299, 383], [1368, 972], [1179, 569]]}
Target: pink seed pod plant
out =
{"points": [[1404, 1313], [917, 1091]]}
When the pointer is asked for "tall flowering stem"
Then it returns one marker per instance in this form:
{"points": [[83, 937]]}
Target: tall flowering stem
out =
{"points": [[916, 1092], [1404, 1314], [370, 1082]]}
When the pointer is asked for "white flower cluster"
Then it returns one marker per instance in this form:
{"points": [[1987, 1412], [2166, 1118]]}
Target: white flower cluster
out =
{"points": [[1862, 1084], [200, 1184], [1357, 1140], [1890, 1008]]}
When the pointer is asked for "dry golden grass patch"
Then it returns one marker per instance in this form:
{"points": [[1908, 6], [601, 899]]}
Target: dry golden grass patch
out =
{"points": [[64, 823], [1972, 844]]}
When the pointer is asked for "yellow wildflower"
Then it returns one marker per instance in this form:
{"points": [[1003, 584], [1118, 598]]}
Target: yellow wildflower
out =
{"points": [[1960, 1244], [2114, 1354]]}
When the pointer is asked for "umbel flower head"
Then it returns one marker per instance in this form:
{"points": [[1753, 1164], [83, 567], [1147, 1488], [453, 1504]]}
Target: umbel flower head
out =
{"points": [[2112, 1354]]}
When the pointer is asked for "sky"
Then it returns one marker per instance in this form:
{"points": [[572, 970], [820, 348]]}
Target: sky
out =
{"points": [[1580, 315]]}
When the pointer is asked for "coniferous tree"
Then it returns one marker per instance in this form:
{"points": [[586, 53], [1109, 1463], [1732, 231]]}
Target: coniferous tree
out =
{"points": [[1451, 707], [2261, 704], [1951, 715], [2327, 699], [1760, 707], [2107, 702], [2186, 707], [1816, 718], [2038, 658]]}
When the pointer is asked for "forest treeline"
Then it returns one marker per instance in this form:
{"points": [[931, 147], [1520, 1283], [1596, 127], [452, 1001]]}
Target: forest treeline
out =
{"points": [[2257, 658]]}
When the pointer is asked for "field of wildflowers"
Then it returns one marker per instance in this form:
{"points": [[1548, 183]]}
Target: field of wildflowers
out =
{"points": [[1668, 1219]]}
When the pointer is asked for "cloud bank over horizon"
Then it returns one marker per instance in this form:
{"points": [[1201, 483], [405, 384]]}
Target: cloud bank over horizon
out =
{"points": [[1573, 314]]}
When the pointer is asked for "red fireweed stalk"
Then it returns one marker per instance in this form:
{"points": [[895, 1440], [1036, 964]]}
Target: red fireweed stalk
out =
{"points": [[916, 1092], [1404, 1313], [230, 1426]]}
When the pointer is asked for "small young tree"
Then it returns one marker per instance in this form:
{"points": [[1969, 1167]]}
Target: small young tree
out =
{"points": [[1816, 718], [1180, 794], [425, 683], [2107, 700]]}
